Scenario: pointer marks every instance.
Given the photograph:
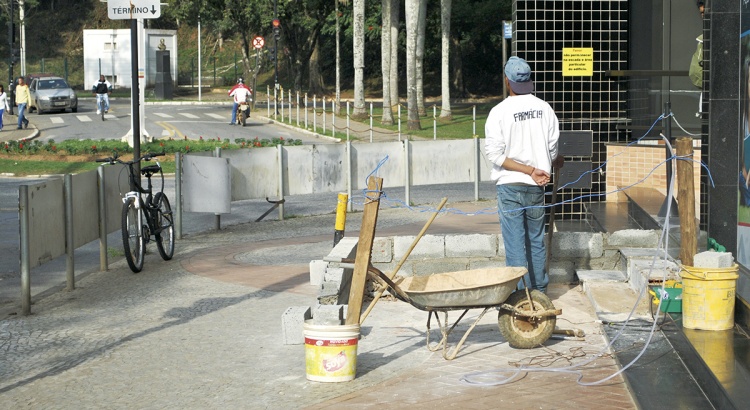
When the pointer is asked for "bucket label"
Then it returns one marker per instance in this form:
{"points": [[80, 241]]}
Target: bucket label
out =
{"points": [[331, 360], [330, 342]]}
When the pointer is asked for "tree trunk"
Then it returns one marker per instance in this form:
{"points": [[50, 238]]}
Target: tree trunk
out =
{"points": [[422, 23], [395, 14], [359, 111], [445, 45], [412, 23], [385, 62], [317, 84], [458, 69]]}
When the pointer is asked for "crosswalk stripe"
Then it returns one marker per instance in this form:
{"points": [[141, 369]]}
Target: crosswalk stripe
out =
{"points": [[188, 115], [83, 118], [161, 114], [57, 120], [110, 116], [217, 116]]}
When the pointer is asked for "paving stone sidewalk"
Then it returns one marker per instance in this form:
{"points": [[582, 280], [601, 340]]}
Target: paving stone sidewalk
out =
{"points": [[203, 331]]}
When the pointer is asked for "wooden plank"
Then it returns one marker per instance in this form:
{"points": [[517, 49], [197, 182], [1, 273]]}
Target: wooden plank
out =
{"points": [[364, 249], [686, 200]]}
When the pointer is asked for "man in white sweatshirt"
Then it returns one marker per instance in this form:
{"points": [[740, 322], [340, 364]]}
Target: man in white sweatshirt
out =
{"points": [[521, 143]]}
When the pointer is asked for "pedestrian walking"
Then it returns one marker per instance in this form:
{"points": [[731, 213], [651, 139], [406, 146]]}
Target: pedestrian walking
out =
{"points": [[23, 98]]}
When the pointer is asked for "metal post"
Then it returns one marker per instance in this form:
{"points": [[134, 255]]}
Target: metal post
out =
{"points": [[407, 173], [178, 195], [217, 219], [70, 278], [340, 226], [477, 164], [434, 122], [324, 115], [305, 110], [280, 159], [298, 108], [281, 92], [135, 93], [268, 101], [23, 211], [315, 113], [347, 120], [200, 79], [275, 102], [399, 121], [103, 262], [333, 119], [370, 122], [474, 120]]}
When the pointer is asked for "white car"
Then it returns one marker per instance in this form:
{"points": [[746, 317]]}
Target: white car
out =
{"points": [[52, 93]]}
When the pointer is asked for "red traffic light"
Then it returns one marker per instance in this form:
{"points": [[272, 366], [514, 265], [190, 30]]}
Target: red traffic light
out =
{"points": [[276, 22]]}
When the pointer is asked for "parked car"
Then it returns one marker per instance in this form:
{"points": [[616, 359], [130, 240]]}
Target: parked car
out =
{"points": [[51, 93]]}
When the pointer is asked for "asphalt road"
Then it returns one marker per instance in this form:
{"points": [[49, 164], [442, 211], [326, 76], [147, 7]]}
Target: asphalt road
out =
{"points": [[178, 121]]}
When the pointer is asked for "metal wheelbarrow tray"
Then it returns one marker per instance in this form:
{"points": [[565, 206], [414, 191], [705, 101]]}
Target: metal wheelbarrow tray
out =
{"points": [[526, 318]]}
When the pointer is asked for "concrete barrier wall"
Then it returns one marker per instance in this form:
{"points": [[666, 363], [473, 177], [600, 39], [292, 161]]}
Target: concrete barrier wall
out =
{"points": [[85, 208], [46, 221], [322, 168]]}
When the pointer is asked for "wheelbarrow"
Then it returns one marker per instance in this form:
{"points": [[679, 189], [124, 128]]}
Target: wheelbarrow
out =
{"points": [[526, 317]]}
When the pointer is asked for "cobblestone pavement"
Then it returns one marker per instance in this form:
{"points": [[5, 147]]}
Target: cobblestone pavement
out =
{"points": [[204, 331]]}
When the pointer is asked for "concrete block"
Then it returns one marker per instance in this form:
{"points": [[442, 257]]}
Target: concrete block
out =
{"points": [[382, 250], [601, 276], [334, 275], [317, 272], [486, 263], [500, 246], [328, 315], [328, 293], [711, 259], [387, 268], [474, 245], [346, 248], [562, 272], [577, 245], [292, 321], [429, 246], [429, 267], [633, 238]]}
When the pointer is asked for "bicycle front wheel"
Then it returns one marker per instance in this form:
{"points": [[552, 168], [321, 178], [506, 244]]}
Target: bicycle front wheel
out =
{"points": [[165, 228], [132, 235]]}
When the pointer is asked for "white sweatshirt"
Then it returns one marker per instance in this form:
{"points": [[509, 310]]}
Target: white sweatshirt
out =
{"points": [[525, 129]]}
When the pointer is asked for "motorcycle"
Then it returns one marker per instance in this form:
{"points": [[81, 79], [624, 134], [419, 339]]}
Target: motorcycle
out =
{"points": [[243, 112]]}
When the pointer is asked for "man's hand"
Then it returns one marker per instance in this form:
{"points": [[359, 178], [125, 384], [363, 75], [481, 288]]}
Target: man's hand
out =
{"points": [[540, 177]]}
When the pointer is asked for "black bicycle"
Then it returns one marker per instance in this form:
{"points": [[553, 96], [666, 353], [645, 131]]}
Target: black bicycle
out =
{"points": [[144, 218]]}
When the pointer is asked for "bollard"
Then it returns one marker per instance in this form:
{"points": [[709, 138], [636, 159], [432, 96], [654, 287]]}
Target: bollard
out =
{"points": [[340, 226]]}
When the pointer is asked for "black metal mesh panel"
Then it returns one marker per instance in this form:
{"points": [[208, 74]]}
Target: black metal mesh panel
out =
{"points": [[598, 103]]}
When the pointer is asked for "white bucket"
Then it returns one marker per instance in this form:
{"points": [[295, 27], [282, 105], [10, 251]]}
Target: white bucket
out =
{"points": [[331, 352]]}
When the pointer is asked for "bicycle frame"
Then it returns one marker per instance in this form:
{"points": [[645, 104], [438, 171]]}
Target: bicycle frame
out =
{"points": [[147, 205]]}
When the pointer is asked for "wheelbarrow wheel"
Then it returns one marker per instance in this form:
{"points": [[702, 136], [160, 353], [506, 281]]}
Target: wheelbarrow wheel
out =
{"points": [[526, 332]]}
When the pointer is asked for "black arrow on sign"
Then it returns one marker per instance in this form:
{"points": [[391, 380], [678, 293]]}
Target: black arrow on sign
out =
{"points": [[153, 9]]}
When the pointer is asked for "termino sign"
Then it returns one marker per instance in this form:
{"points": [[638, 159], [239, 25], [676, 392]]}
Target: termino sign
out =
{"points": [[133, 9]]}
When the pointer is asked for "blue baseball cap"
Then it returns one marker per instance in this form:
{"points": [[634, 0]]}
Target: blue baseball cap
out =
{"points": [[518, 72]]}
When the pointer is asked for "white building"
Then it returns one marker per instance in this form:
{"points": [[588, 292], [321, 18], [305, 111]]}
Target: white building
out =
{"points": [[108, 52]]}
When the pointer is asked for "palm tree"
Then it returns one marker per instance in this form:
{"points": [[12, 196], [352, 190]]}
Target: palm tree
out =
{"points": [[385, 61], [445, 28], [412, 25], [359, 59]]}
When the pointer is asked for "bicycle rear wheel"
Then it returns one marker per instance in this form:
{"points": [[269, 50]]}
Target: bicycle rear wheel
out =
{"points": [[132, 235], [165, 230]]}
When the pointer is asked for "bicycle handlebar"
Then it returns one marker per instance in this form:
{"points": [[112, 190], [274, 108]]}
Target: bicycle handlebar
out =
{"points": [[115, 158]]}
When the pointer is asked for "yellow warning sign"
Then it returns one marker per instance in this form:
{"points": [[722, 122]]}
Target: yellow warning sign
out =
{"points": [[578, 62]]}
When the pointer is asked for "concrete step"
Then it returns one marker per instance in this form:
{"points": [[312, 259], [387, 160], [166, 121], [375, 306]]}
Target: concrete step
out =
{"points": [[614, 301]]}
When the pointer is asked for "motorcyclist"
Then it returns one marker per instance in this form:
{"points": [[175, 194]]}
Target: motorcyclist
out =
{"points": [[241, 93]]}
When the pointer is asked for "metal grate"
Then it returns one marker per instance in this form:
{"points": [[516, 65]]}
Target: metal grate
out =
{"points": [[597, 103]]}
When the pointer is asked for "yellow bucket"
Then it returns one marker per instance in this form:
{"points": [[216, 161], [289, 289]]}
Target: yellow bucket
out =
{"points": [[708, 297], [331, 352]]}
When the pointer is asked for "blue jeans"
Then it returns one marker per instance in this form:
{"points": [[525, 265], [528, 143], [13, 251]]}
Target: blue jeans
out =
{"points": [[521, 212], [234, 112], [22, 115]]}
